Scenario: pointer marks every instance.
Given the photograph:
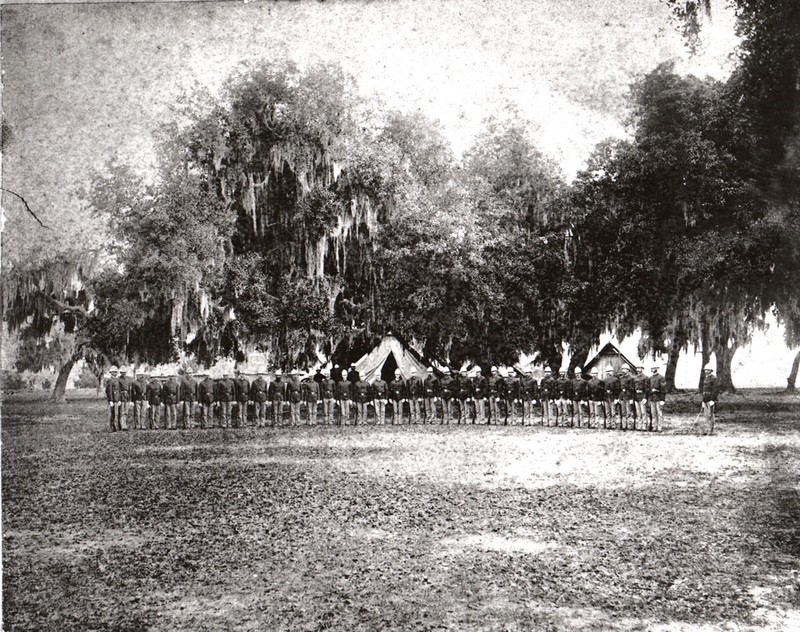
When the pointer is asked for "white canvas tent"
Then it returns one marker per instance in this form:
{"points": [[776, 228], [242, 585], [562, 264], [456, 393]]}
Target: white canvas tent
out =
{"points": [[388, 355]]}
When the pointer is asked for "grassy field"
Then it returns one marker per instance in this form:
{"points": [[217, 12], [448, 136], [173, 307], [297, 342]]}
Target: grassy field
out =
{"points": [[408, 527]]}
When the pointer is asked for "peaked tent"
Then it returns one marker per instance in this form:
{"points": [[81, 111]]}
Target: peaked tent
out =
{"points": [[609, 354], [390, 354]]}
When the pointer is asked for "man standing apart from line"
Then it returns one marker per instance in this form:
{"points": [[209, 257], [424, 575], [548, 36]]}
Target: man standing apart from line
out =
{"points": [[641, 386], [139, 399], [710, 395], [327, 389], [114, 399], [398, 394], [259, 394], [344, 395], [658, 395], [242, 391], [626, 391], [612, 403], [188, 399], [311, 398], [529, 393], [547, 393], [431, 390], [597, 395], [277, 395], [416, 393], [124, 395], [379, 391], [580, 397], [205, 395], [447, 387]]}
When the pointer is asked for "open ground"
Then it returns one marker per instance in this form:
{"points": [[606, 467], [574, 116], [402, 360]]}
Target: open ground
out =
{"points": [[406, 527]]}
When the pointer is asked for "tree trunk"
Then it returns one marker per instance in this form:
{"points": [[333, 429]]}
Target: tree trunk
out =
{"points": [[724, 359], [791, 381], [578, 359], [60, 388], [678, 342], [705, 354]]}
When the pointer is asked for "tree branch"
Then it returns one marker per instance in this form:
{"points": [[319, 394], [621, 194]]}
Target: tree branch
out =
{"points": [[27, 207], [64, 307]]}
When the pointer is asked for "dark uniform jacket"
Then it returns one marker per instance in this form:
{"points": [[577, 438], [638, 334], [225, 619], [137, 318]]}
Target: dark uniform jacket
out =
{"points": [[397, 389], [547, 387], [710, 388], [225, 390], [511, 388], [344, 390], [626, 387], [528, 388], [242, 389], [171, 391], [464, 387], [328, 388], [277, 390], [188, 390], [580, 389], [597, 389], [447, 387], [353, 376], [294, 392], [563, 387], [113, 390], [125, 389], [641, 385], [362, 392], [495, 386], [431, 386], [138, 390], [380, 389], [205, 391], [480, 387], [612, 386], [658, 387], [415, 388], [259, 390], [311, 391], [153, 392]]}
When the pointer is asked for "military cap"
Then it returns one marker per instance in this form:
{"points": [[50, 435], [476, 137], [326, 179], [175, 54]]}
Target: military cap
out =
{"points": [[429, 369], [113, 369], [446, 370], [547, 369], [609, 368], [397, 372], [707, 367], [578, 370], [594, 371], [278, 373]]}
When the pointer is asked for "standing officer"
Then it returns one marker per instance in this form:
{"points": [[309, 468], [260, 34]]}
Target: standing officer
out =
{"points": [[431, 389], [416, 392], [170, 395], [225, 395], [447, 390], [311, 398], [494, 395], [597, 396], [362, 395], [242, 395], [641, 389], [580, 396], [353, 375], [114, 398], [124, 395], [380, 395], [139, 399], [189, 398], [626, 392], [328, 393], [205, 395], [398, 394], [511, 392], [710, 395], [547, 393], [529, 393], [564, 396], [259, 390], [277, 395], [480, 389], [344, 394], [658, 395], [464, 394], [613, 406], [153, 401], [294, 395]]}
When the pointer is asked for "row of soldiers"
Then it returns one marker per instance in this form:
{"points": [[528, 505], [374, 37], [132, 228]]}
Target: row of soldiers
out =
{"points": [[628, 401]]}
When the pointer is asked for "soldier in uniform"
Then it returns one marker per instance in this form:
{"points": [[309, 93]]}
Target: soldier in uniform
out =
{"points": [[344, 394], [353, 375], [494, 385], [398, 394], [597, 396], [259, 395], [311, 398], [658, 395], [529, 393], [547, 392], [564, 398], [242, 394], [205, 395], [613, 406], [139, 399], [328, 393], [294, 395], [464, 394], [124, 395], [189, 399], [710, 396], [170, 395], [447, 387], [114, 398], [641, 389], [580, 397], [431, 391], [511, 392], [626, 392], [416, 392], [153, 401], [362, 396], [224, 396], [277, 395], [380, 395], [480, 389]]}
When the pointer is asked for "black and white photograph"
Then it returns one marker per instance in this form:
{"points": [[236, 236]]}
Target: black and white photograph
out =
{"points": [[376, 315]]}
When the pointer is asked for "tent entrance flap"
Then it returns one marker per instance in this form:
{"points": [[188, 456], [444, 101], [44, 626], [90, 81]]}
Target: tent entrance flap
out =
{"points": [[389, 367]]}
